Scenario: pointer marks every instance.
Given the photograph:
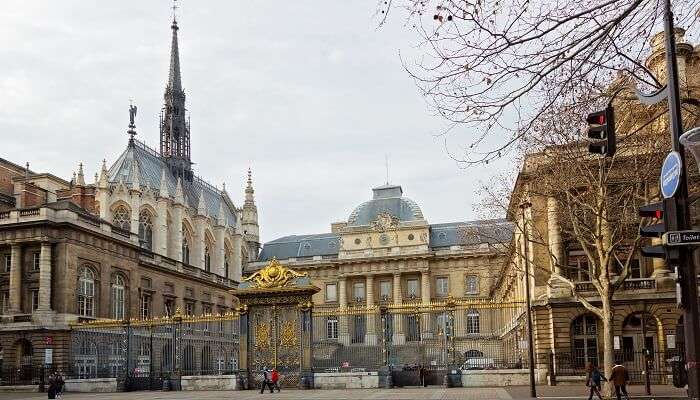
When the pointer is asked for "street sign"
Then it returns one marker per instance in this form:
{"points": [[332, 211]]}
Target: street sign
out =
{"points": [[48, 356], [670, 174], [681, 238]]}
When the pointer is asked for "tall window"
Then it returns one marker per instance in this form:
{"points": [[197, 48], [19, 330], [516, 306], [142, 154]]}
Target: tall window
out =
{"points": [[472, 285], [145, 306], [5, 299], [146, 229], [36, 261], [35, 299], [385, 290], [185, 251], [207, 257], [118, 302], [169, 305], [473, 327], [121, 218], [331, 292], [442, 286], [577, 265], [412, 328], [226, 264], [444, 324], [332, 328], [585, 340], [7, 262], [86, 293], [358, 291], [412, 288]]}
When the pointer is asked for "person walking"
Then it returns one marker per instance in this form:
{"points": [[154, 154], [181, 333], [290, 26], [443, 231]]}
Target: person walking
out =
{"points": [[275, 376], [266, 381], [619, 378], [59, 385], [51, 392], [593, 380]]}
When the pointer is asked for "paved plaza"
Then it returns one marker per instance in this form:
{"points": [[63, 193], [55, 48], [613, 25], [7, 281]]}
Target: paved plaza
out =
{"points": [[437, 393]]}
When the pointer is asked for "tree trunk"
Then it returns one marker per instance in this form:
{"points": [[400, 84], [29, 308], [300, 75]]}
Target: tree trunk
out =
{"points": [[608, 352]]}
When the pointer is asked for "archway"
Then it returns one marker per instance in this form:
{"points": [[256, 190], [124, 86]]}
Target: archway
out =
{"points": [[640, 347], [24, 352]]}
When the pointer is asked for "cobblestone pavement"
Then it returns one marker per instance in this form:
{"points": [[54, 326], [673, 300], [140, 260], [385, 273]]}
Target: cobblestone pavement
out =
{"points": [[435, 393]]}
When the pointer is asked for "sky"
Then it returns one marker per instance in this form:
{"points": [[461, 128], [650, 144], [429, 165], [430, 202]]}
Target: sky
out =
{"points": [[309, 94]]}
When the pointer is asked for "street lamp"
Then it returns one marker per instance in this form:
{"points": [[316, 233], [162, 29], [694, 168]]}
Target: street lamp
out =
{"points": [[531, 351]]}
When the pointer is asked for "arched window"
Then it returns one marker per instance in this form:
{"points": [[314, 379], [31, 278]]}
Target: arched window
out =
{"points": [[118, 299], [86, 292], [584, 340], [185, 244], [121, 218], [207, 257], [146, 230], [226, 264], [473, 327]]}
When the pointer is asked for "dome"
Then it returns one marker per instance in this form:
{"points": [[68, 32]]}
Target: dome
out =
{"points": [[386, 199]]}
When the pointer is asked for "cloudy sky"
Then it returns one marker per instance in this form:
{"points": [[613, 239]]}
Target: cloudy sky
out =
{"points": [[310, 94]]}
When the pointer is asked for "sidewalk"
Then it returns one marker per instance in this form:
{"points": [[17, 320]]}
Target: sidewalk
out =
{"points": [[581, 392]]}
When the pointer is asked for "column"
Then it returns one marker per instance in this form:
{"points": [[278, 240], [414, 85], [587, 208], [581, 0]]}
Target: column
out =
{"points": [[160, 242], [426, 317], [343, 328], [45, 277], [176, 245], [218, 262], [371, 320], [399, 336], [16, 280], [197, 255], [555, 287], [236, 264]]}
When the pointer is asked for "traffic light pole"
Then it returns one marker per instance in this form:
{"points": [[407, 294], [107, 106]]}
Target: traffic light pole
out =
{"points": [[676, 215]]}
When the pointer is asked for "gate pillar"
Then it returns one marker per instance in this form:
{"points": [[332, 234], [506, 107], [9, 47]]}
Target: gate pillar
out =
{"points": [[242, 378]]}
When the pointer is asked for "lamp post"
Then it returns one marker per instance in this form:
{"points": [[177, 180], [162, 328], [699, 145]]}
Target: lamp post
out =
{"points": [[530, 345]]}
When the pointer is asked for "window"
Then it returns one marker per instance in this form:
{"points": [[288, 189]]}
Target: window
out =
{"points": [[121, 218], [118, 301], [206, 309], [146, 229], [585, 340], [35, 299], [413, 328], [207, 258], [5, 299], [145, 306], [189, 308], [7, 262], [577, 266], [226, 264], [36, 261], [332, 328], [472, 285], [635, 270], [444, 324], [443, 286], [473, 322], [385, 290], [169, 306], [359, 329], [185, 250], [86, 293], [358, 291], [331, 292], [412, 288]]}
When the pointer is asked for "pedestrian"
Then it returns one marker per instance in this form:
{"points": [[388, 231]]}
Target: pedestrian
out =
{"points": [[266, 381], [421, 373], [619, 378], [593, 380], [60, 382], [275, 376], [51, 392]]}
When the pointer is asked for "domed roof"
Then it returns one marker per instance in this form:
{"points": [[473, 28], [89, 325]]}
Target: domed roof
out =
{"points": [[386, 199]]}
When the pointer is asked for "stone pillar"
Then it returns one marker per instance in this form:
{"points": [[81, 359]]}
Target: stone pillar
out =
{"points": [[236, 264], [427, 331], [555, 287], [176, 244], [218, 262], [197, 255], [45, 277], [135, 210], [399, 336], [343, 328], [160, 230], [371, 332], [16, 280]]}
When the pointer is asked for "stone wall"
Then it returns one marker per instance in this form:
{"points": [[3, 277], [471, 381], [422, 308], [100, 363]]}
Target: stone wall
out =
{"points": [[501, 377], [98, 385], [209, 382], [346, 380]]}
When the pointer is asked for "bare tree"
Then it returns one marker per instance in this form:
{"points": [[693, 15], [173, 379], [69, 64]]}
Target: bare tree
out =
{"points": [[493, 68]]}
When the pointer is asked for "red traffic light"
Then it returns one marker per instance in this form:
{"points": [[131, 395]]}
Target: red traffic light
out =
{"points": [[596, 118], [653, 210]]}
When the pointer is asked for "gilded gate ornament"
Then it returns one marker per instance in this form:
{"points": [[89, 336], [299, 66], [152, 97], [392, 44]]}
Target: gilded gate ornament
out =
{"points": [[262, 336], [288, 336], [274, 275]]}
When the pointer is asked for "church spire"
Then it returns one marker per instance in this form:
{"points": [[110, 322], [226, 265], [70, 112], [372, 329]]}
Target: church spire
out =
{"points": [[174, 127]]}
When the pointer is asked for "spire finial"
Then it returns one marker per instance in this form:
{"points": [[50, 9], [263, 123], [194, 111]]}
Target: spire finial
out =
{"points": [[174, 8], [250, 177], [26, 170], [132, 125], [386, 162], [81, 176]]}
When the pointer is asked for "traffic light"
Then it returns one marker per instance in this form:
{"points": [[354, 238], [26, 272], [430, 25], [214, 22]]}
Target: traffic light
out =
{"points": [[601, 132], [654, 211]]}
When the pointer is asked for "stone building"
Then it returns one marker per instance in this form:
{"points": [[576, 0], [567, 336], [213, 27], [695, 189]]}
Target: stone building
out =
{"points": [[385, 253], [146, 238]]}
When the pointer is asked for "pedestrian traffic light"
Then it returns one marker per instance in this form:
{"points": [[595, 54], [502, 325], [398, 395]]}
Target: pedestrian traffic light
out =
{"points": [[654, 211], [601, 132]]}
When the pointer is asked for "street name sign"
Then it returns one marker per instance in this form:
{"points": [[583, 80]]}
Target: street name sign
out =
{"points": [[670, 174], [681, 238]]}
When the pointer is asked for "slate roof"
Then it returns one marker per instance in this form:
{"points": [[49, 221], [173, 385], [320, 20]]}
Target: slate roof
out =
{"points": [[387, 198], [150, 169], [441, 235]]}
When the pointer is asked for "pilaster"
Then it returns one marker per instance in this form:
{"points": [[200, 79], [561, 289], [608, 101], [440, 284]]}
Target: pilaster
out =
{"points": [[219, 251], [161, 228], [45, 277], [371, 333], [555, 287], [343, 320], [16, 279], [399, 336]]}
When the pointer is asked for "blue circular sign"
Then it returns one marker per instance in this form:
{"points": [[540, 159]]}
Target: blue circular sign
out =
{"points": [[670, 174]]}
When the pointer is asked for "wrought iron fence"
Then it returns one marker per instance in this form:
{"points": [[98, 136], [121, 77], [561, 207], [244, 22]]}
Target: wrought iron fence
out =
{"points": [[463, 334], [641, 365], [142, 354]]}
